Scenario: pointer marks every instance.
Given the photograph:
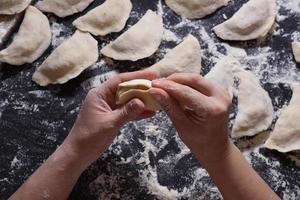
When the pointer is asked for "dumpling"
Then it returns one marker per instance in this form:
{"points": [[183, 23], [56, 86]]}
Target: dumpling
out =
{"points": [[136, 89], [184, 58], [68, 60], [193, 9], [8, 24], [253, 21], [63, 8], [109, 17], [11, 7], [296, 51], [255, 109], [286, 134], [140, 41], [31, 41]]}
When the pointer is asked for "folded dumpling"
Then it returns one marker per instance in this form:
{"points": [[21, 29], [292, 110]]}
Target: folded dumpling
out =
{"points": [[193, 9], [296, 51], [140, 41], [63, 8], [286, 134], [68, 60], [184, 58], [109, 17], [31, 41], [253, 21], [11, 7]]}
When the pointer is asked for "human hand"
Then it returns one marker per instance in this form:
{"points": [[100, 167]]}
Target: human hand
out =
{"points": [[100, 118], [199, 111]]}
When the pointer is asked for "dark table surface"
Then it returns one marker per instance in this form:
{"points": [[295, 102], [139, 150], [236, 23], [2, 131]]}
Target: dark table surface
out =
{"points": [[147, 160]]}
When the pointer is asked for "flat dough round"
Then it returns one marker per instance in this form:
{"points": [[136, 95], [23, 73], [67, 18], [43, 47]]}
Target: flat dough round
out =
{"points": [[11, 7]]}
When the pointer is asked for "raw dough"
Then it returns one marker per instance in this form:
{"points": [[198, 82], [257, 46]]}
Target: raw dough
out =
{"points": [[140, 41], [11, 7], [296, 51], [68, 60], [193, 9], [286, 134], [63, 8], [255, 109], [137, 89], [31, 41], [184, 58], [109, 17], [253, 21]]}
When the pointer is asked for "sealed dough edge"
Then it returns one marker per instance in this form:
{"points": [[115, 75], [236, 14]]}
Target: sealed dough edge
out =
{"points": [[138, 88]]}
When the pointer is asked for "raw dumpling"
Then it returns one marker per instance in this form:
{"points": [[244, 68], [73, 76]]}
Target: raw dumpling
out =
{"points": [[11, 7], [296, 51], [140, 41], [8, 24], [63, 8], [286, 134], [193, 9], [136, 89], [31, 41], [253, 21], [68, 60], [184, 58], [255, 109], [109, 17]]}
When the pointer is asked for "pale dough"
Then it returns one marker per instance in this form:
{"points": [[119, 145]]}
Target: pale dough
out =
{"points": [[109, 17], [253, 21], [136, 89], [31, 41], [184, 58], [140, 41], [68, 60], [296, 51], [11, 7]]}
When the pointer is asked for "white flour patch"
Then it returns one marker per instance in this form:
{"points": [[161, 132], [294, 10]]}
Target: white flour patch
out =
{"points": [[170, 36], [98, 80], [291, 5], [58, 31]]}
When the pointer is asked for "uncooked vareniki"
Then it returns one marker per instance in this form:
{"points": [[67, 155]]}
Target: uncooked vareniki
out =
{"points": [[68, 60], [184, 58], [137, 88], [255, 109], [109, 17], [193, 9], [140, 41], [296, 51], [286, 134], [253, 21], [63, 8], [31, 41], [11, 7]]}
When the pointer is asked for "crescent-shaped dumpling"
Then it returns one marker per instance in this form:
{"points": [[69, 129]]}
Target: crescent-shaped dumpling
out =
{"points": [[31, 41], [286, 134], [253, 21], [68, 60], [184, 58], [296, 51], [194, 9], [109, 17], [11, 7], [63, 8], [137, 88], [140, 41]]}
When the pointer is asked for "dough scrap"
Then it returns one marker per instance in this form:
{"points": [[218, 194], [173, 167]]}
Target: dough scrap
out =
{"points": [[253, 21], [109, 17], [68, 60], [194, 9], [184, 58], [31, 41], [63, 8], [255, 109], [286, 134], [137, 89], [140, 41], [296, 51], [11, 7]]}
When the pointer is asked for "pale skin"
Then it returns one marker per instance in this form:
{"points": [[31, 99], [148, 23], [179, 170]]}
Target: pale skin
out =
{"points": [[199, 111]]}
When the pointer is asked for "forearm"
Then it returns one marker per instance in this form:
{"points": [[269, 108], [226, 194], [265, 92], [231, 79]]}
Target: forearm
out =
{"points": [[236, 179]]}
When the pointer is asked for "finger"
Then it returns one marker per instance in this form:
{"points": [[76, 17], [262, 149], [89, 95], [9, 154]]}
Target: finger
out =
{"points": [[195, 81]]}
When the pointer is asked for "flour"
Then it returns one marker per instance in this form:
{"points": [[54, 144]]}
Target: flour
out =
{"points": [[291, 5], [58, 30]]}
